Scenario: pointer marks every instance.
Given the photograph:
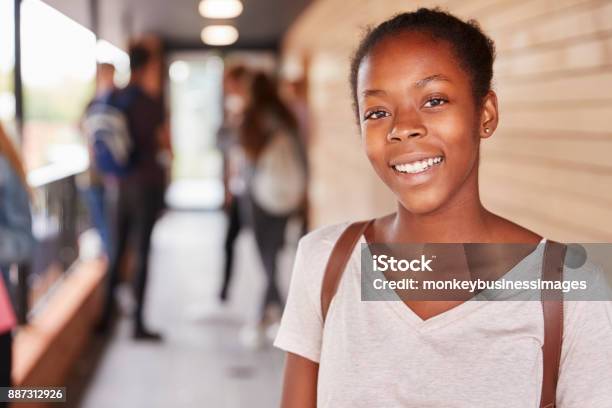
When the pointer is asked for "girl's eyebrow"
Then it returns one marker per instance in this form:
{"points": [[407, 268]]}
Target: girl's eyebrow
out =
{"points": [[436, 77], [373, 92]]}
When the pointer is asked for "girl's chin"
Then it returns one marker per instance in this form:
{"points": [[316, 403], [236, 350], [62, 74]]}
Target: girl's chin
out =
{"points": [[419, 204]]}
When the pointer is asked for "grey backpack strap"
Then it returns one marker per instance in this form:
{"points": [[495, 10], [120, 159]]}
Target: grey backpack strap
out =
{"points": [[552, 306], [337, 261]]}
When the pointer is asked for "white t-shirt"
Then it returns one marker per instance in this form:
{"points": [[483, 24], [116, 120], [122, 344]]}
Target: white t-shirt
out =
{"points": [[478, 354]]}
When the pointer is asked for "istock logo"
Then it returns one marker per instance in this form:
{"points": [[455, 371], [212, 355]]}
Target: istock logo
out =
{"points": [[385, 263]]}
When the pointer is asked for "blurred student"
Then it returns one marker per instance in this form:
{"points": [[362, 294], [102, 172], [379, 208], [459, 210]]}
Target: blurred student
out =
{"points": [[91, 183], [236, 83], [139, 193], [276, 187], [16, 241]]}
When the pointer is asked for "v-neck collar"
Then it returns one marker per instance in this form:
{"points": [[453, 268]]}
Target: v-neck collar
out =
{"points": [[405, 313]]}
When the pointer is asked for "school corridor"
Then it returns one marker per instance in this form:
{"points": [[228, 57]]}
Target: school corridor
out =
{"points": [[546, 168]]}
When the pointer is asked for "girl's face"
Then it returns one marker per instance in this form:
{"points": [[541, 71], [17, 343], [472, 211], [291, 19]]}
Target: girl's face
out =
{"points": [[418, 120]]}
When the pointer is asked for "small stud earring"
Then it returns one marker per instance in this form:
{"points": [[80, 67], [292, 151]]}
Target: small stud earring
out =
{"points": [[487, 130]]}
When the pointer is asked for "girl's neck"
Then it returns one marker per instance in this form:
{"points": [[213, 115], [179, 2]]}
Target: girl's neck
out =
{"points": [[462, 219]]}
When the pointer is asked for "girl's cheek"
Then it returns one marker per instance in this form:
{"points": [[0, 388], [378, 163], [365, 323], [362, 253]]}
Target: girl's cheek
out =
{"points": [[375, 151], [371, 150], [457, 134]]}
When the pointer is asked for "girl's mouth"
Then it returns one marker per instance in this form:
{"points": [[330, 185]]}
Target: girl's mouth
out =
{"points": [[418, 166]]}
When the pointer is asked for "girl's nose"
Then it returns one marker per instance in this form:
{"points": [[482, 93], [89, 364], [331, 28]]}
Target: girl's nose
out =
{"points": [[407, 125]]}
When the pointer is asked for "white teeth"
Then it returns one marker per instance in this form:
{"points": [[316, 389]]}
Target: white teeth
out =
{"points": [[418, 166]]}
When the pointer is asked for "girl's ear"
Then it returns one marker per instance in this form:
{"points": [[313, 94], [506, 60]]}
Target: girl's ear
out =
{"points": [[489, 116]]}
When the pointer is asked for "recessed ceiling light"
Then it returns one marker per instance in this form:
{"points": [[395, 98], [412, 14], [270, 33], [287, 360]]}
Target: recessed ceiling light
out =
{"points": [[220, 8], [219, 35]]}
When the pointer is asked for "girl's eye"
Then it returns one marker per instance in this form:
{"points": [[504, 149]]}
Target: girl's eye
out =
{"points": [[434, 102], [376, 114]]}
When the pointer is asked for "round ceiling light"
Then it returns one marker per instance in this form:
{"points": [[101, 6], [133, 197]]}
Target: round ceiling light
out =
{"points": [[220, 8], [179, 71], [219, 35]]}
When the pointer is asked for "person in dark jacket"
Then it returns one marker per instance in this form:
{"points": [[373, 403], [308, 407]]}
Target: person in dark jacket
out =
{"points": [[140, 193]]}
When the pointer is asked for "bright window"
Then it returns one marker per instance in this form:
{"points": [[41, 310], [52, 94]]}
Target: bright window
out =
{"points": [[58, 69], [7, 63]]}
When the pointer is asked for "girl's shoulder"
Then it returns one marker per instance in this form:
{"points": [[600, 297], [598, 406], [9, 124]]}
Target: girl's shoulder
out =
{"points": [[309, 265], [313, 252], [321, 240]]}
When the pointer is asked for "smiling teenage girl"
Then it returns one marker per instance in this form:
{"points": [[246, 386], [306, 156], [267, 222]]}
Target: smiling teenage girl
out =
{"points": [[422, 90]]}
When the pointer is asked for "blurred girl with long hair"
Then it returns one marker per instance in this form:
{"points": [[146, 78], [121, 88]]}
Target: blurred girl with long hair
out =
{"points": [[16, 240], [270, 139]]}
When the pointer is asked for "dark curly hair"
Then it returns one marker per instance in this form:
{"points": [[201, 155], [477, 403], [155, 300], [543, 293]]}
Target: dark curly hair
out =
{"points": [[475, 52]]}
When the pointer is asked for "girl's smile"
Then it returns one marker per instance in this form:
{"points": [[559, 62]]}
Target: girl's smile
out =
{"points": [[416, 167]]}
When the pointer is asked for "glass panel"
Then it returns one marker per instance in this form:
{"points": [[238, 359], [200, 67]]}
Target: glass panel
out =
{"points": [[58, 71], [58, 66]]}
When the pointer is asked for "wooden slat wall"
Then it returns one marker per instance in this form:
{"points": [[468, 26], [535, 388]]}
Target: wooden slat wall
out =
{"points": [[548, 166]]}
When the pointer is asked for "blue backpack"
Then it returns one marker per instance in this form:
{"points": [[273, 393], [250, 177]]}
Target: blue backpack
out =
{"points": [[107, 131]]}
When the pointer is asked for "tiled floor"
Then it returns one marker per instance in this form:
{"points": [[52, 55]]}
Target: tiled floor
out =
{"points": [[201, 363]]}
